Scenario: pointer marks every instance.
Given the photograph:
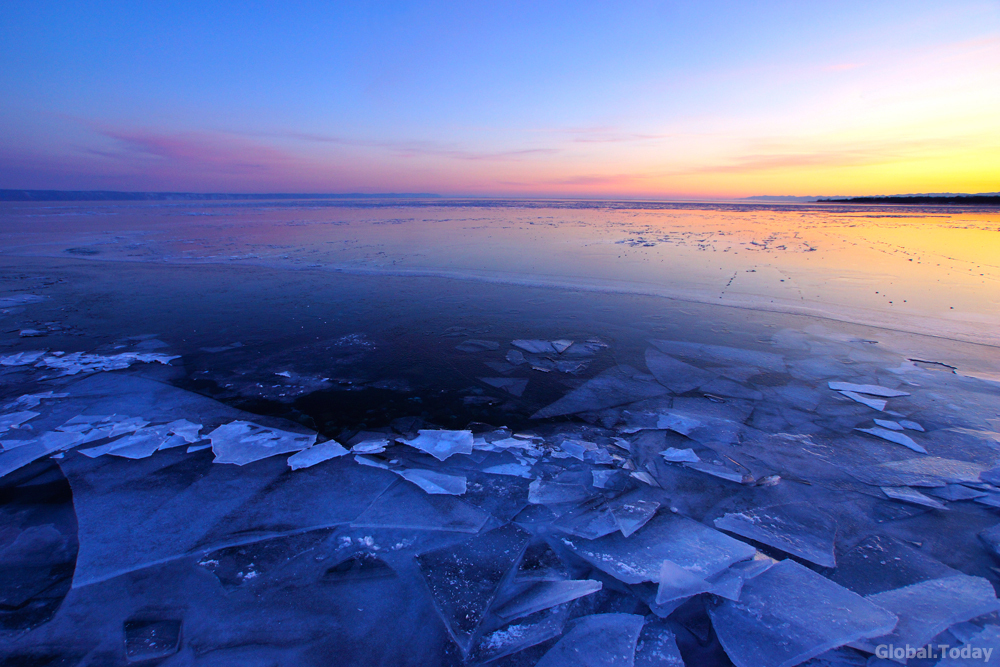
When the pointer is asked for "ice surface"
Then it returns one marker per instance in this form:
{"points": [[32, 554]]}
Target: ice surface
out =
{"points": [[908, 495], [473, 345], [496, 643], [310, 456], [435, 481], [521, 598], [513, 386], [789, 614], [243, 442], [870, 389], [542, 492], [893, 436], [441, 444], [955, 492], [730, 389], [929, 607], [674, 455], [631, 515], [874, 403], [28, 401], [676, 375], [920, 471], [615, 386], [151, 639], [405, 506], [637, 558], [991, 538], [464, 579], [891, 425], [800, 529], [138, 445], [599, 640], [880, 563]]}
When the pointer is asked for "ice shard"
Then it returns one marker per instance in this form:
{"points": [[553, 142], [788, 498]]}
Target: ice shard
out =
{"points": [[873, 403], [464, 579], [615, 386], [908, 495], [800, 529], [929, 607], [404, 506], [441, 444], [435, 481], [676, 375], [324, 451], [521, 598], [242, 442], [870, 389], [789, 614], [894, 436]]}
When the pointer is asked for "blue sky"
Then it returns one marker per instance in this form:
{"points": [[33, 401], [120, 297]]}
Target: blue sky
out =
{"points": [[593, 99]]}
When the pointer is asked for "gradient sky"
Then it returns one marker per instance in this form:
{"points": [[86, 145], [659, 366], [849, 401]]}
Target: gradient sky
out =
{"points": [[660, 100]]}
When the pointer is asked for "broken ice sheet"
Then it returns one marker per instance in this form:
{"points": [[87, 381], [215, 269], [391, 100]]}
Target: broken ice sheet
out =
{"points": [[521, 598], [673, 455], [310, 456], [22, 358], [243, 442], [908, 495], [28, 401], [676, 375], [615, 386], [956, 492], [800, 529], [434, 481], [598, 640], [404, 506], [80, 362], [543, 492], [657, 647], [376, 446], [880, 563], [637, 558], [891, 425], [920, 471], [540, 346], [513, 386], [873, 403], [495, 643], [677, 583], [151, 639], [926, 609], [789, 614], [979, 649], [991, 538], [870, 389], [12, 459], [722, 354], [441, 444], [464, 579], [893, 436]]}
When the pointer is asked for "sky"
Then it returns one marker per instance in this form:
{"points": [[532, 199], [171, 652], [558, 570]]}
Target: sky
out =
{"points": [[665, 100]]}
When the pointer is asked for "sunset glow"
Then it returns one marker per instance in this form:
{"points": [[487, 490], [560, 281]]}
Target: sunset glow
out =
{"points": [[677, 101]]}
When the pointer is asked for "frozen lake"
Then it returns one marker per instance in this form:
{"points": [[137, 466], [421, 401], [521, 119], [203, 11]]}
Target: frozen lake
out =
{"points": [[504, 433]]}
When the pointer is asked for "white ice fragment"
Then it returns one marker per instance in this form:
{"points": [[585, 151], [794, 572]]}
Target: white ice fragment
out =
{"points": [[370, 461], [911, 425], [21, 358], [80, 362], [15, 419], [644, 477], [679, 455], [561, 345], [284, 374], [434, 482], [891, 425], [677, 583], [242, 442], [48, 443], [908, 495], [316, 454], [535, 346], [542, 492], [602, 478], [870, 389], [510, 469], [441, 444], [185, 429], [28, 401], [376, 446], [893, 436], [873, 403]]}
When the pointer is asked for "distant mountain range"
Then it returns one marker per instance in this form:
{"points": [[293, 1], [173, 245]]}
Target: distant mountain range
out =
{"points": [[108, 195]]}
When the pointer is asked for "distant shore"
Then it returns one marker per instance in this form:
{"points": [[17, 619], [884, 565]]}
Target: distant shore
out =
{"points": [[966, 200]]}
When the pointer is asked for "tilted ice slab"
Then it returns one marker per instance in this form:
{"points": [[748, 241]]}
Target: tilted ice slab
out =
{"points": [[464, 579], [657, 647], [615, 386], [981, 648], [638, 558], [790, 614], [15, 419], [873, 403], [893, 436], [908, 495], [243, 442], [441, 444], [676, 375], [929, 607], [800, 529], [599, 640], [522, 598], [434, 481], [920, 471], [870, 389], [16, 457], [316, 454]]}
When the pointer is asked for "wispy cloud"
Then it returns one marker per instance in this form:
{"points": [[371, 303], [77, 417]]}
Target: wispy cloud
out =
{"points": [[413, 148]]}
